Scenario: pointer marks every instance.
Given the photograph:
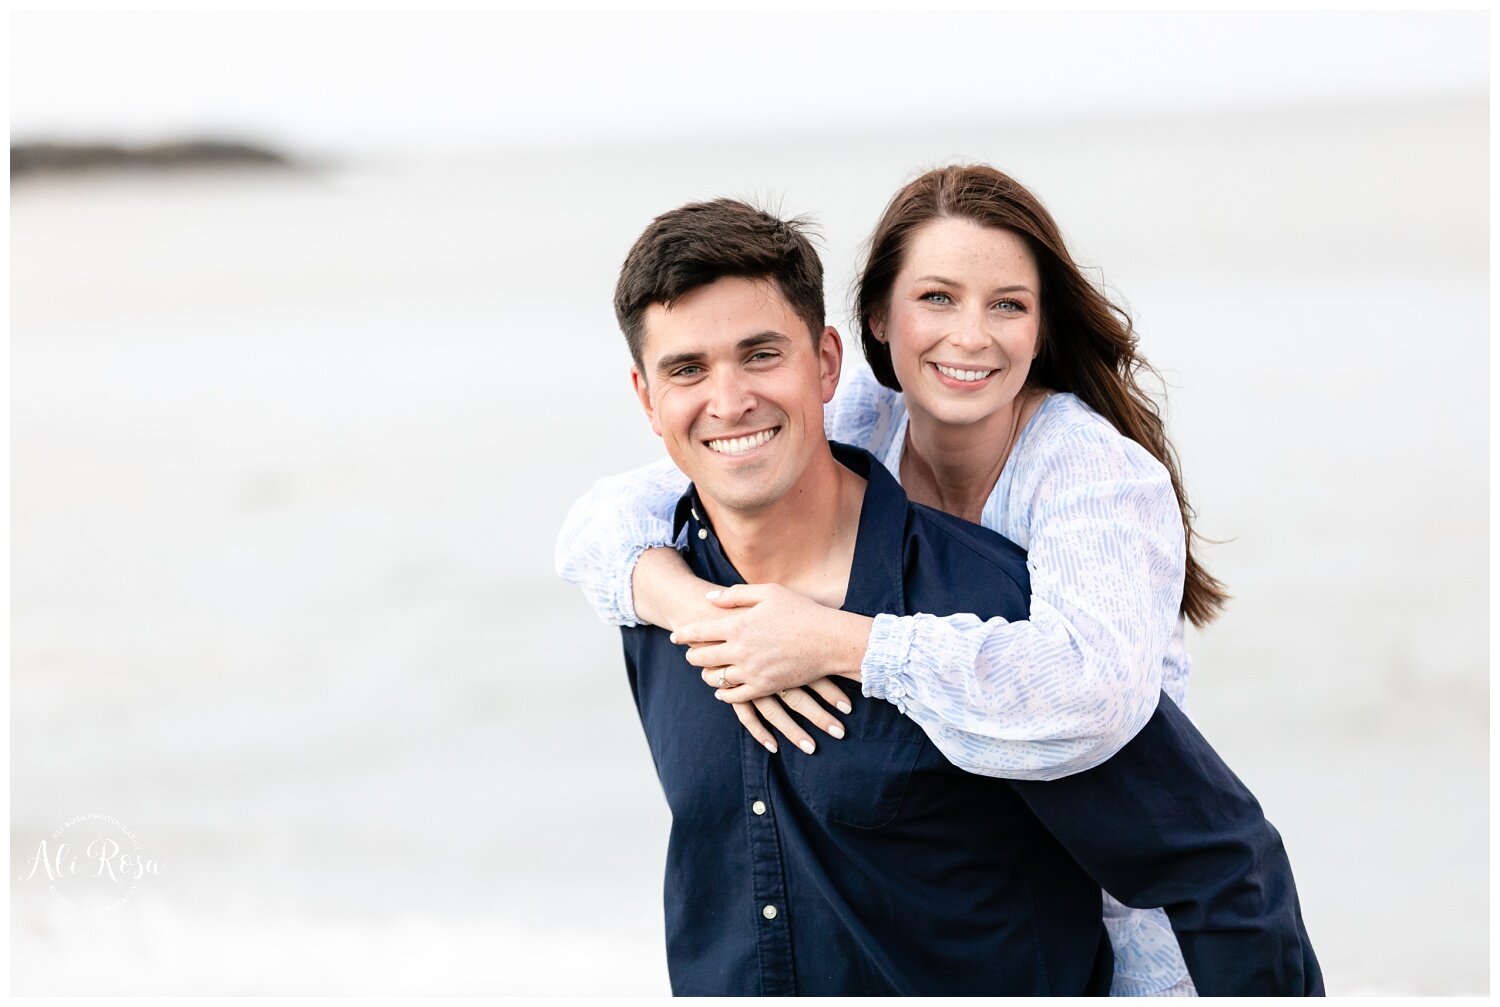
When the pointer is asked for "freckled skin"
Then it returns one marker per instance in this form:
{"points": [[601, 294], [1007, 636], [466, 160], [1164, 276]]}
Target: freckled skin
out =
{"points": [[955, 302]]}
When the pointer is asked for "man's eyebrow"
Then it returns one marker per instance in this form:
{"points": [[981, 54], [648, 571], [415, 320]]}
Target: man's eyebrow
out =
{"points": [[761, 339], [674, 360], [1014, 288]]}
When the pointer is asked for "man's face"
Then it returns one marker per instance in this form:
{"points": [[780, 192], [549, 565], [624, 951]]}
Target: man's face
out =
{"points": [[733, 383]]}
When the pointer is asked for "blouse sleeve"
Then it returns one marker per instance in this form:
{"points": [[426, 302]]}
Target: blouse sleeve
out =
{"points": [[609, 527], [1065, 690], [622, 516]]}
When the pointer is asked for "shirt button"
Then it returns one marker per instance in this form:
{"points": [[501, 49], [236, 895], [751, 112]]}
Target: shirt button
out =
{"points": [[759, 807], [769, 912], [703, 533]]}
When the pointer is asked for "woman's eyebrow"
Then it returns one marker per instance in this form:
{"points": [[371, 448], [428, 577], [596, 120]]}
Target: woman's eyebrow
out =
{"points": [[1014, 288]]}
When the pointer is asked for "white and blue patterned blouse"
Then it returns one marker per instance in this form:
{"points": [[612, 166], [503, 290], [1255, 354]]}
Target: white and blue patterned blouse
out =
{"points": [[1034, 700]]}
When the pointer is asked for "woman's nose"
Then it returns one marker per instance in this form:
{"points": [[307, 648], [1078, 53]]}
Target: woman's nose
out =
{"points": [[969, 332]]}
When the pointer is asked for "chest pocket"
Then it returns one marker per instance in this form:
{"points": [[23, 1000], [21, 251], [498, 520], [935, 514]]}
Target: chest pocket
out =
{"points": [[862, 779]]}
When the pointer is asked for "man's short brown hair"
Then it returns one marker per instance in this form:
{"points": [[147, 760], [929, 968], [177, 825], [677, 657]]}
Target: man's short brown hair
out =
{"points": [[697, 244]]}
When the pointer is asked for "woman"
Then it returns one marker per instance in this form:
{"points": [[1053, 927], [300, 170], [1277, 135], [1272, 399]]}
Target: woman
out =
{"points": [[1003, 390]]}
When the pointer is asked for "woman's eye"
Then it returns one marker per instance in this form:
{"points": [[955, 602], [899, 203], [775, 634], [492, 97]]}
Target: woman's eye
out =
{"points": [[936, 297], [1009, 305]]}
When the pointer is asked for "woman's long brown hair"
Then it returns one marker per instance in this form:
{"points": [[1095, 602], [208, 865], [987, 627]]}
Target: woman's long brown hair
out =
{"points": [[1087, 343]]}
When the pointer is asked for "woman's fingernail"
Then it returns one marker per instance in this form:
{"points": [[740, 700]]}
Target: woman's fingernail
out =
{"points": [[672, 636], [836, 730], [807, 746], [771, 747], [713, 594], [844, 707]]}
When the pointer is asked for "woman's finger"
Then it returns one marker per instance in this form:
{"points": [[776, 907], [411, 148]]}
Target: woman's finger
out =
{"points": [[831, 694], [715, 655], [740, 692], [753, 724], [696, 633], [801, 701], [736, 596], [775, 714], [712, 676]]}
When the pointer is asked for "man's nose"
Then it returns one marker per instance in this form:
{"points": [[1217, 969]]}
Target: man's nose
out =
{"points": [[730, 395]]}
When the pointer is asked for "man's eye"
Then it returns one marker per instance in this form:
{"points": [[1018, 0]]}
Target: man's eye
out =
{"points": [[687, 371], [764, 355]]}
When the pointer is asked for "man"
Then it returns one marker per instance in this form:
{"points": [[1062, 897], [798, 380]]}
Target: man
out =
{"points": [[877, 867]]}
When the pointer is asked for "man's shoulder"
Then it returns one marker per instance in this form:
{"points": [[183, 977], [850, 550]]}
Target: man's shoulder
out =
{"points": [[967, 551]]}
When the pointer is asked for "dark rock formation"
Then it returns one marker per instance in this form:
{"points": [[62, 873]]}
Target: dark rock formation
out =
{"points": [[38, 159]]}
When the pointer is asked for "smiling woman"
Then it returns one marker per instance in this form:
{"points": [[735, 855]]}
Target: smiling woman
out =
{"points": [[961, 330]]}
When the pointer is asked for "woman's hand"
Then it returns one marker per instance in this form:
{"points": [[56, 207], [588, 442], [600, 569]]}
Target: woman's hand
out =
{"points": [[771, 639], [771, 709]]}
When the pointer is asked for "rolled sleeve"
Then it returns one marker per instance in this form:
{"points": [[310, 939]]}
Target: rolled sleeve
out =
{"points": [[1166, 823]]}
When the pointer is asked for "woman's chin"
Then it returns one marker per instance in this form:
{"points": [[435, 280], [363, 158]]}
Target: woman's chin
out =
{"points": [[955, 414]]}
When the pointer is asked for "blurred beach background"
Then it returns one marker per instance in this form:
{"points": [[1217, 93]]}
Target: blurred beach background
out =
{"points": [[290, 447]]}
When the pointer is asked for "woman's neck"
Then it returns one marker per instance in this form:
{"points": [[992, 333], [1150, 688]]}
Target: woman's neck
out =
{"points": [[954, 469]]}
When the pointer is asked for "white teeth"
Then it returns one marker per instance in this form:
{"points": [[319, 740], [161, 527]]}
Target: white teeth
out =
{"points": [[958, 375], [739, 445]]}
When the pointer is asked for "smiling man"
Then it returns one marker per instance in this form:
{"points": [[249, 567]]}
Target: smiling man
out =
{"points": [[736, 388], [875, 866]]}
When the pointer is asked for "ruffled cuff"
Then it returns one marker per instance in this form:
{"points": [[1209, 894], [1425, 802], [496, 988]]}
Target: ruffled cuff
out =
{"points": [[884, 667], [624, 589]]}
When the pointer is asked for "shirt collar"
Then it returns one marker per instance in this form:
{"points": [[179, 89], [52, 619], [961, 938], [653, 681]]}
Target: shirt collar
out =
{"points": [[875, 583]]}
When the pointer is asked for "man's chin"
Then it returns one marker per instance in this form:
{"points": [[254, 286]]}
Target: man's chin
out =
{"points": [[744, 494]]}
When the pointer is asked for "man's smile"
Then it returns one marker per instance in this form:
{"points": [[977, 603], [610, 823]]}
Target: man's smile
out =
{"points": [[742, 443]]}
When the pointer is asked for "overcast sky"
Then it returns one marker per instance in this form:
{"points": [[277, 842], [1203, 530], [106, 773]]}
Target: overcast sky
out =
{"points": [[335, 80]]}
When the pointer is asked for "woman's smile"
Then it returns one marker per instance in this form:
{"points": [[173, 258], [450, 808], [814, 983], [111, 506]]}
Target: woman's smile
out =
{"points": [[964, 377], [963, 323]]}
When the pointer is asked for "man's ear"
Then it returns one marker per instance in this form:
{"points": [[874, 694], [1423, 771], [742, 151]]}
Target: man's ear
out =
{"points": [[642, 392], [830, 361]]}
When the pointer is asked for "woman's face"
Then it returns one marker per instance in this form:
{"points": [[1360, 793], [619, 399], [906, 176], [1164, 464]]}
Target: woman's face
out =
{"points": [[963, 322]]}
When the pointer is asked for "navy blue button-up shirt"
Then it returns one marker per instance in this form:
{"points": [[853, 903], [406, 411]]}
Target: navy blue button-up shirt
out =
{"points": [[877, 867]]}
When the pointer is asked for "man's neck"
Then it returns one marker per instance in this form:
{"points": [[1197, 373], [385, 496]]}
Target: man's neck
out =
{"points": [[805, 540]]}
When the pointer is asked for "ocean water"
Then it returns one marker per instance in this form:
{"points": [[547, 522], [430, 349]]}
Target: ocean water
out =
{"points": [[289, 453]]}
